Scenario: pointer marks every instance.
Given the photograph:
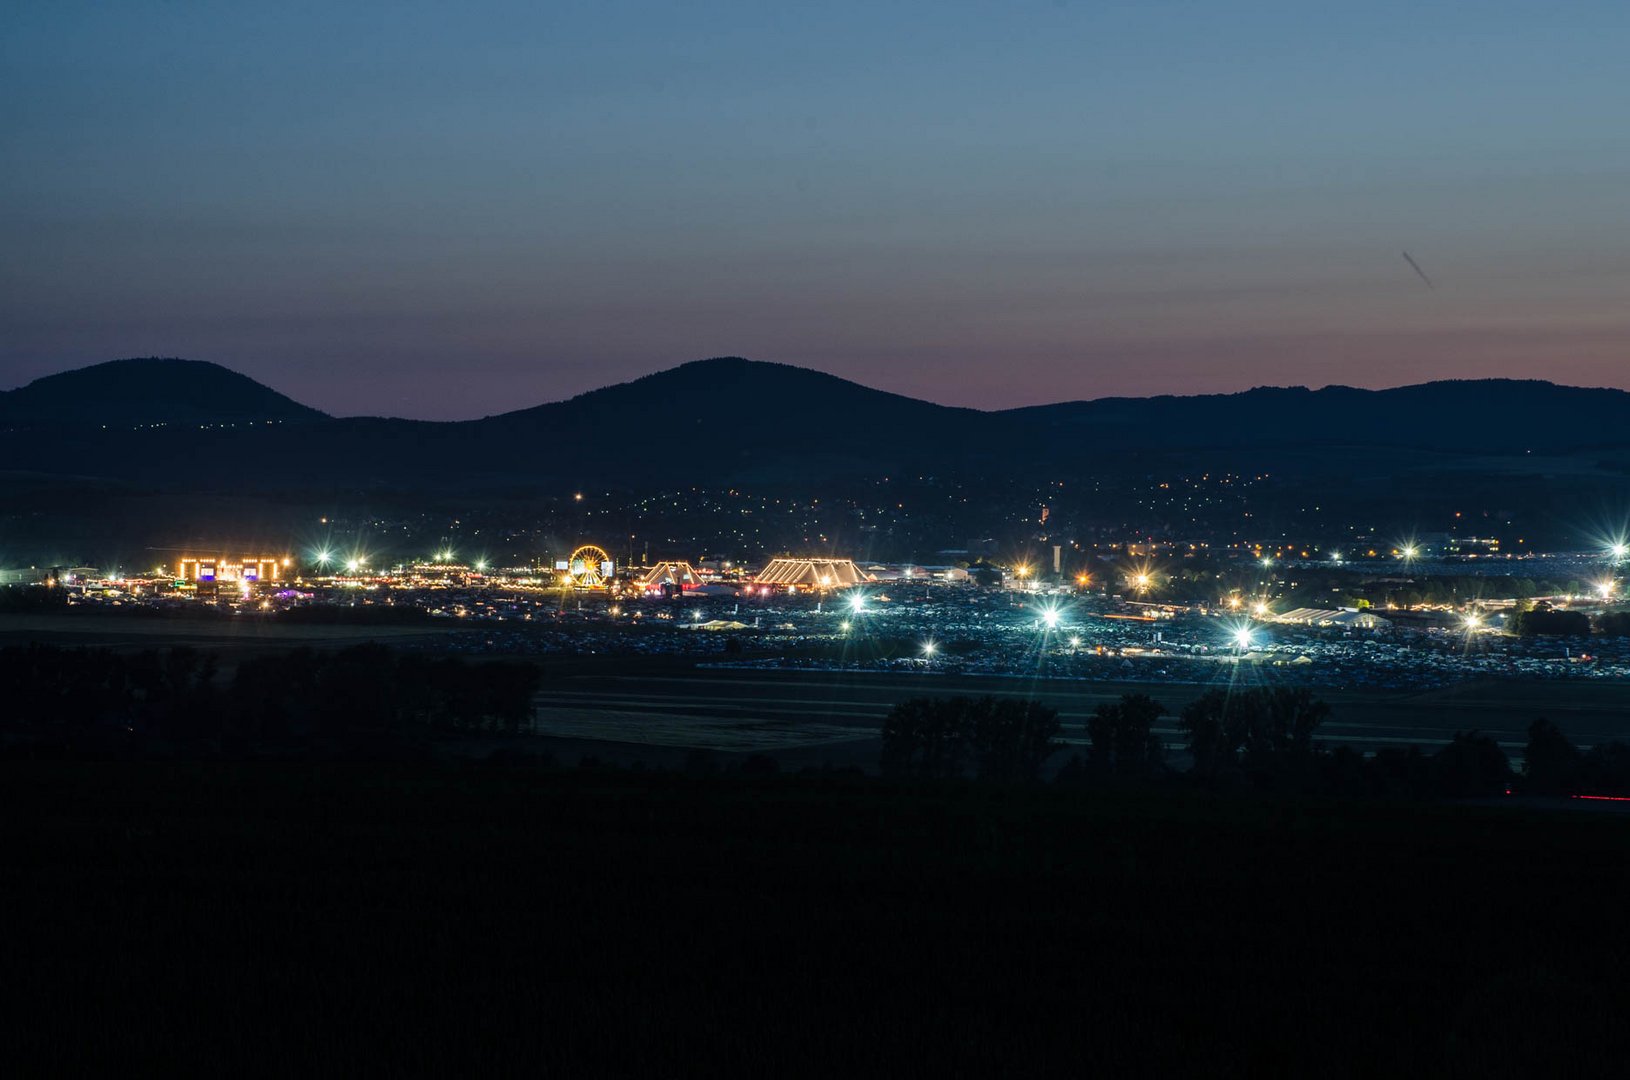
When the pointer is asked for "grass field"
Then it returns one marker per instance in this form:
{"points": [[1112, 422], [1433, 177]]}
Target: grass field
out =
{"points": [[634, 710], [273, 919], [655, 708]]}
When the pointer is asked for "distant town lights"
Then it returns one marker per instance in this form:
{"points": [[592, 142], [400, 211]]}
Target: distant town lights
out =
{"points": [[1050, 617]]}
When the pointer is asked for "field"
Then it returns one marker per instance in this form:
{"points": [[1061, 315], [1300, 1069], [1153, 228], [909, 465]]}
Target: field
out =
{"points": [[257, 918], [101, 630], [561, 915], [656, 709], [626, 712]]}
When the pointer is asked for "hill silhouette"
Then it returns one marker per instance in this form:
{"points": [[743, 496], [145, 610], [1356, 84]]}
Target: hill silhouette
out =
{"points": [[1462, 414], [739, 417], [153, 390], [1533, 458], [731, 420]]}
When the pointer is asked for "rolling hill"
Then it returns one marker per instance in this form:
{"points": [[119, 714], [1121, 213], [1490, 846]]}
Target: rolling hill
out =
{"points": [[131, 393], [729, 420], [142, 452]]}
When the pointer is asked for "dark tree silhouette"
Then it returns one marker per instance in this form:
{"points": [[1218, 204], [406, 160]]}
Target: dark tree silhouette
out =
{"points": [[1269, 732], [1552, 764], [1614, 624], [1012, 740], [1605, 769], [1549, 622], [1471, 765], [925, 738], [935, 738], [1122, 735]]}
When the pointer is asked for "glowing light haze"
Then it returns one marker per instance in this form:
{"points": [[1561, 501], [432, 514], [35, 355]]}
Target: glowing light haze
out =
{"points": [[444, 210]]}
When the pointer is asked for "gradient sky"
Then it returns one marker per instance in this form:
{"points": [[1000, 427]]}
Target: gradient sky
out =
{"points": [[446, 210]]}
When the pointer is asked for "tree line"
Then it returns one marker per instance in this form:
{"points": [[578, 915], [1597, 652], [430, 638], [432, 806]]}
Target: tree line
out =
{"points": [[95, 697], [1262, 739]]}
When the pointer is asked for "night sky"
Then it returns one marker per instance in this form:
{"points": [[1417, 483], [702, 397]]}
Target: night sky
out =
{"points": [[446, 210]]}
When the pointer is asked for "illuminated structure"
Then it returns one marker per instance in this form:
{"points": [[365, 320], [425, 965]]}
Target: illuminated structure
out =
{"points": [[588, 567], [790, 573], [1341, 618], [669, 574], [207, 574]]}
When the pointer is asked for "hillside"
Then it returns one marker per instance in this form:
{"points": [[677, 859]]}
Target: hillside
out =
{"points": [[733, 421], [1484, 414], [732, 415], [132, 393]]}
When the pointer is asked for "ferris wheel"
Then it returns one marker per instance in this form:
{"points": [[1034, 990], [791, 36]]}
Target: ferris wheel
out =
{"points": [[589, 567]]}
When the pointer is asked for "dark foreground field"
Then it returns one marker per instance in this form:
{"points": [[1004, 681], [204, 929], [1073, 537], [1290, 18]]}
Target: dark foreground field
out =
{"points": [[272, 918]]}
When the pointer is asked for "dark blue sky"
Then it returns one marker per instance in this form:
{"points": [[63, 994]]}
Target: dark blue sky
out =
{"points": [[445, 210]]}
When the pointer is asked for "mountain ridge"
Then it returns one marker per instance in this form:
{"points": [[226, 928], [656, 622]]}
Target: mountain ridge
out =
{"points": [[96, 385], [659, 451], [147, 391], [733, 418]]}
